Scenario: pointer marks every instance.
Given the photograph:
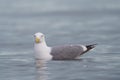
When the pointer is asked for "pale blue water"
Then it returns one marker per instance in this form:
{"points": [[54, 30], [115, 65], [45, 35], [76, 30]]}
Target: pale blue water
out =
{"points": [[63, 22]]}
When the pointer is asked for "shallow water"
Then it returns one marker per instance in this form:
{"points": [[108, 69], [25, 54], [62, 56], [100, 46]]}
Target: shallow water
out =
{"points": [[63, 22]]}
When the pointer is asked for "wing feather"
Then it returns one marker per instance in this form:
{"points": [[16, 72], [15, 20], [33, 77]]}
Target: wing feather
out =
{"points": [[67, 51]]}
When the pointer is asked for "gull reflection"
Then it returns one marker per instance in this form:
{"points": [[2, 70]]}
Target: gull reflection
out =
{"points": [[42, 73]]}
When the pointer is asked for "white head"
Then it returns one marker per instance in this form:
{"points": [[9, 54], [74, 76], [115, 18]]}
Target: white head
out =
{"points": [[39, 38]]}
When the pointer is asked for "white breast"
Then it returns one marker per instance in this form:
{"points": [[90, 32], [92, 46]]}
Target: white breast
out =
{"points": [[42, 52]]}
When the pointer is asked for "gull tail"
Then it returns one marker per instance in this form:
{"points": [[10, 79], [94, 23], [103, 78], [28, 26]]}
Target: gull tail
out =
{"points": [[89, 47]]}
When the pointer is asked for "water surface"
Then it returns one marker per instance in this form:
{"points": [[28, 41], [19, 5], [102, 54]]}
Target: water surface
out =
{"points": [[63, 22]]}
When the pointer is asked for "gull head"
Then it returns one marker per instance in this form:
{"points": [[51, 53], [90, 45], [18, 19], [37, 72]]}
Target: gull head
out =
{"points": [[39, 37]]}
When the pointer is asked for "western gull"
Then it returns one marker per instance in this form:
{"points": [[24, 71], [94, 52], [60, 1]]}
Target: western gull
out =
{"points": [[64, 52]]}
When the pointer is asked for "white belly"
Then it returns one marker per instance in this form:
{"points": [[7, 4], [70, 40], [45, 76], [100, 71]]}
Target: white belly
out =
{"points": [[43, 53], [43, 56]]}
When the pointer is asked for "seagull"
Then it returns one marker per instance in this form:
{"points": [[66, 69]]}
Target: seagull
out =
{"points": [[63, 52]]}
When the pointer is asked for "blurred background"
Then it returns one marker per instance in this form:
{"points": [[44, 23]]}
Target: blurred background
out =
{"points": [[63, 22]]}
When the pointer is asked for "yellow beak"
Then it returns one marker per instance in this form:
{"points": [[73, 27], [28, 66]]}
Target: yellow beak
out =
{"points": [[37, 40]]}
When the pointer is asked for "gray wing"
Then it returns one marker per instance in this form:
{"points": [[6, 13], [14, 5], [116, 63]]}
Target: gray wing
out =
{"points": [[67, 52]]}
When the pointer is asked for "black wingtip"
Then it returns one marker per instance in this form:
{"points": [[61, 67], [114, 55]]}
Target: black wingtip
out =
{"points": [[90, 46]]}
